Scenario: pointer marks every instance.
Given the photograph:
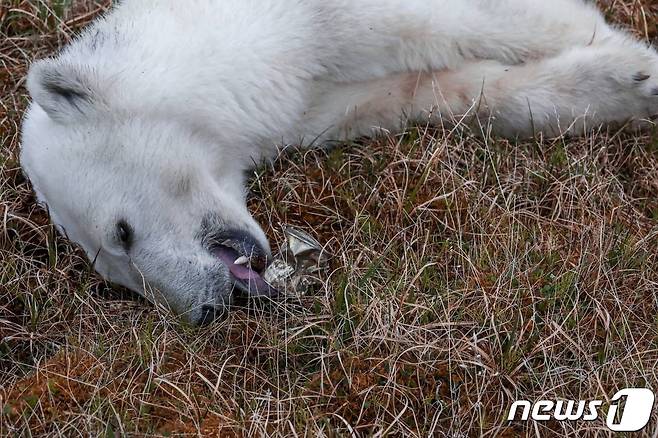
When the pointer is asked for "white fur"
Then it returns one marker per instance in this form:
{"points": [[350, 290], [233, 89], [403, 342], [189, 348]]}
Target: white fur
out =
{"points": [[155, 113]]}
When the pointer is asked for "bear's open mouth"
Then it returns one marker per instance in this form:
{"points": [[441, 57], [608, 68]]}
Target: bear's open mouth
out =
{"points": [[246, 269]]}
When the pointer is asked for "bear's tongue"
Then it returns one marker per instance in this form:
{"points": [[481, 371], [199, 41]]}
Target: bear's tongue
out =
{"points": [[248, 280]]}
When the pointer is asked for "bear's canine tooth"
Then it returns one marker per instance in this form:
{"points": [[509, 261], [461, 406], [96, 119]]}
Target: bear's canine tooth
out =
{"points": [[243, 260]]}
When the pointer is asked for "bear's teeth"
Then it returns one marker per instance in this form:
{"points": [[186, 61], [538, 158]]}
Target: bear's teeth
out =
{"points": [[241, 260]]}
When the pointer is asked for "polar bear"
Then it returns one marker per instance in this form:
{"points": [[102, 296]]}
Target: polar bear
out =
{"points": [[141, 131]]}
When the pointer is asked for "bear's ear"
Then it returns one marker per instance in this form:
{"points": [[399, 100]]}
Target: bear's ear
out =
{"points": [[66, 92]]}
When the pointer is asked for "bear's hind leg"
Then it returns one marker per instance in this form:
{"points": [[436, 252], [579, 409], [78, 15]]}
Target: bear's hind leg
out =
{"points": [[571, 93]]}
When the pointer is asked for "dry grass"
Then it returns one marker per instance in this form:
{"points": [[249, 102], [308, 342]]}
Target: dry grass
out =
{"points": [[469, 273]]}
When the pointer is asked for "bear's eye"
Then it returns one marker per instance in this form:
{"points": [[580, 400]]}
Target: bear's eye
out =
{"points": [[124, 233]]}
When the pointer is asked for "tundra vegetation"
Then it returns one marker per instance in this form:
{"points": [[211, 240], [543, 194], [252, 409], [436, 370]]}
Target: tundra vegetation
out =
{"points": [[469, 272]]}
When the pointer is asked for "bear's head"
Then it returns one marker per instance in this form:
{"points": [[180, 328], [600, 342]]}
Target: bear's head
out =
{"points": [[157, 207]]}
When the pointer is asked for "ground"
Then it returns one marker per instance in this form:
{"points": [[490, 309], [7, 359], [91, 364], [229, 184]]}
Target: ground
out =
{"points": [[468, 272]]}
